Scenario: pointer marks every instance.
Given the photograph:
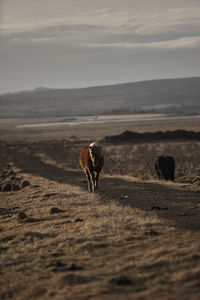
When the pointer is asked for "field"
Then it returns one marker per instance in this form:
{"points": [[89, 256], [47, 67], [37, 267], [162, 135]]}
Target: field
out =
{"points": [[137, 238]]}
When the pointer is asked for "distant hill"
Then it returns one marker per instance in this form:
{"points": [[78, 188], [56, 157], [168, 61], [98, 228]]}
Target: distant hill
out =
{"points": [[166, 95]]}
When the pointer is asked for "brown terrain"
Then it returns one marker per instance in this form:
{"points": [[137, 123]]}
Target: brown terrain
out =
{"points": [[137, 238]]}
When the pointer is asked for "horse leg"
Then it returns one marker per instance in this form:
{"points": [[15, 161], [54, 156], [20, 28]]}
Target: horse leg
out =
{"points": [[171, 177], [87, 173], [96, 181], [93, 181], [158, 175]]}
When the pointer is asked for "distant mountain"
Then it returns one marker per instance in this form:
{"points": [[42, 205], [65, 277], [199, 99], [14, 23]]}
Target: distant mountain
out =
{"points": [[166, 95]]}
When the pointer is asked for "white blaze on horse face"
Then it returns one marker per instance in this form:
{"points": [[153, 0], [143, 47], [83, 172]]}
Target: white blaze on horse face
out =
{"points": [[93, 144], [91, 155]]}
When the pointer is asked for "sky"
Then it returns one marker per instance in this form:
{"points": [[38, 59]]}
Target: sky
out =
{"points": [[79, 43]]}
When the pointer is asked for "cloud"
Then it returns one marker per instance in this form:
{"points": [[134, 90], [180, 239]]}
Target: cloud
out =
{"points": [[180, 43], [176, 28], [52, 32]]}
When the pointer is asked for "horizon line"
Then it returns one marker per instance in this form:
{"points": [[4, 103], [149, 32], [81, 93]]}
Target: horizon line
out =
{"points": [[95, 86]]}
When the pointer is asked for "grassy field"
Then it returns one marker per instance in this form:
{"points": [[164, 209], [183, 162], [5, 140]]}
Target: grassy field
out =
{"points": [[138, 238]]}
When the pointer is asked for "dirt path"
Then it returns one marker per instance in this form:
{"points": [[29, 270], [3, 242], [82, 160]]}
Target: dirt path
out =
{"points": [[132, 240], [177, 203]]}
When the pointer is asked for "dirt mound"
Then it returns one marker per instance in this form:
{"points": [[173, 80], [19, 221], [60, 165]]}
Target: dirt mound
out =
{"points": [[9, 180], [130, 136]]}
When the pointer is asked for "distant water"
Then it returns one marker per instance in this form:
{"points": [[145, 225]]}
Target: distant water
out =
{"points": [[74, 123]]}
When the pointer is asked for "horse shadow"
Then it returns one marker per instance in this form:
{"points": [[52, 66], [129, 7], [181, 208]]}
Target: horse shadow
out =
{"points": [[32, 164]]}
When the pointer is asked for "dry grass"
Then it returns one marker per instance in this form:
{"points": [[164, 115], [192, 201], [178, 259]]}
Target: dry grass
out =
{"points": [[10, 132], [137, 238], [136, 160]]}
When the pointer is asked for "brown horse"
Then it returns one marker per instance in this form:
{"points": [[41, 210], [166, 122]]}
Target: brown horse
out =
{"points": [[91, 160]]}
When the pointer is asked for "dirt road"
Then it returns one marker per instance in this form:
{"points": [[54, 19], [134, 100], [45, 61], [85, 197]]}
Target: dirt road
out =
{"points": [[132, 240]]}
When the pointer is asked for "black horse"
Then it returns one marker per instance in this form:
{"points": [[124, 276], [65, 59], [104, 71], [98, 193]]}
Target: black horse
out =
{"points": [[165, 167]]}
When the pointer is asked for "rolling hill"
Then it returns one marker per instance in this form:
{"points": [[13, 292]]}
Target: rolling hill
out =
{"points": [[166, 95]]}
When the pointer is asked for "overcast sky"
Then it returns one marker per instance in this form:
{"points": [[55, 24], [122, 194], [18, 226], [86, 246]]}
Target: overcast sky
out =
{"points": [[78, 43]]}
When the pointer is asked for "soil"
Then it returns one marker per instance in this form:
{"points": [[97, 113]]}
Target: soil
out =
{"points": [[137, 238]]}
